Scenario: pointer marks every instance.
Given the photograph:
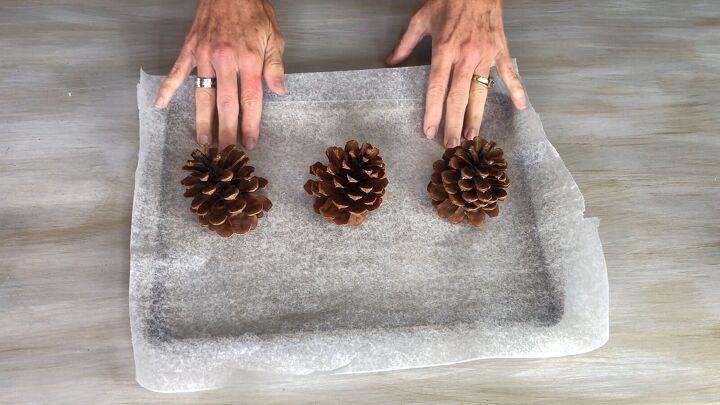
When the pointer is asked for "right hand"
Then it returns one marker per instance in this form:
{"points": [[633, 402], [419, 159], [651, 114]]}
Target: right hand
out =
{"points": [[468, 38], [231, 40]]}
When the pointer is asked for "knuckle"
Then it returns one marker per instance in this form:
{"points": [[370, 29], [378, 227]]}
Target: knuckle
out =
{"points": [[475, 117], [249, 63], [436, 90], [485, 43], [453, 131], [221, 53], [248, 52], [228, 104], [167, 86], [250, 102], [472, 54], [443, 47], [203, 49], [455, 96], [280, 40], [454, 125], [251, 129], [455, 104], [176, 71], [274, 66], [512, 76], [466, 44]]}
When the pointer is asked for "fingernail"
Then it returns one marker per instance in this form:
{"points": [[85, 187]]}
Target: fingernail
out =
{"points": [[471, 133], [430, 132], [451, 143], [250, 143], [280, 84], [204, 140], [160, 102]]}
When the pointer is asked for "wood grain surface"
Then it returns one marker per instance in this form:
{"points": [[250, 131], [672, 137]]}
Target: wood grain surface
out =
{"points": [[627, 91]]}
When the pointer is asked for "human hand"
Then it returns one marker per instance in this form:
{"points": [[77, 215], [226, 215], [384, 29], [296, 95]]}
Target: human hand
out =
{"points": [[231, 40], [468, 38]]}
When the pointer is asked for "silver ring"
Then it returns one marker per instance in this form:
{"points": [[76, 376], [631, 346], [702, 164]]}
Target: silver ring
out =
{"points": [[205, 82], [485, 81]]}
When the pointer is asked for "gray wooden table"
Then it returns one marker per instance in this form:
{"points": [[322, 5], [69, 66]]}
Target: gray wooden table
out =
{"points": [[627, 92]]}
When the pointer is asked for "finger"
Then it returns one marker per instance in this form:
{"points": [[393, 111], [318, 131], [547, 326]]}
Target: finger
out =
{"points": [[416, 30], [251, 97], [476, 105], [506, 70], [273, 69], [434, 100], [227, 96], [204, 106], [179, 72], [456, 103]]}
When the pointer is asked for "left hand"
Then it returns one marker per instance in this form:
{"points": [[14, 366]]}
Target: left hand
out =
{"points": [[468, 38]]}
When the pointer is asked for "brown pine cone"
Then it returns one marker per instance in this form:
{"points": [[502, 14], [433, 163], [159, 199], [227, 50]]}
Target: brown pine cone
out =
{"points": [[352, 184], [469, 181], [224, 191]]}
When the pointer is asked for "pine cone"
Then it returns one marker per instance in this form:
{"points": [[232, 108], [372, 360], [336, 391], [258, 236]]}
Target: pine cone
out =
{"points": [[469, 181], [352, 184], [224, 191]]}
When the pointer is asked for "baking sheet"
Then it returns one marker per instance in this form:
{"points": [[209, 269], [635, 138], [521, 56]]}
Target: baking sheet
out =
{"points": [[299, 296]]}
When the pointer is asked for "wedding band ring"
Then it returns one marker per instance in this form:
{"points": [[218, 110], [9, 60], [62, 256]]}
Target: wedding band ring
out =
{"points": [[205, 82], [485, 81]]}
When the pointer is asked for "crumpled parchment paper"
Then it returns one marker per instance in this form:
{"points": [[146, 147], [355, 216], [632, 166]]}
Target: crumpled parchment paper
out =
{"points": [[299, 296]]}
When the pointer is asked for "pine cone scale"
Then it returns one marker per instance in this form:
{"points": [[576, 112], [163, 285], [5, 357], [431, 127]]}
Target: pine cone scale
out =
{"points": [[230, 193], [482, 185], [446, 208], [237, 205]]}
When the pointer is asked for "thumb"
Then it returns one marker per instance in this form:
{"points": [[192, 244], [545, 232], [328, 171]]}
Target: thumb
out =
{"points": [[274, 70], [416, 30]]}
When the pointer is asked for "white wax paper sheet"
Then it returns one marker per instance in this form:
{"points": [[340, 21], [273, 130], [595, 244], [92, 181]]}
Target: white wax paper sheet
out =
{"points": [[300, 296]]}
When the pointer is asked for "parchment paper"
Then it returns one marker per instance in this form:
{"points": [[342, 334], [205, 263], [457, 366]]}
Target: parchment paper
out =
{"points": [[299, 296]]}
